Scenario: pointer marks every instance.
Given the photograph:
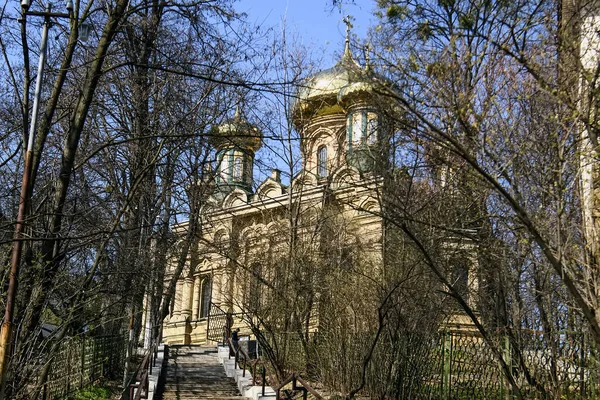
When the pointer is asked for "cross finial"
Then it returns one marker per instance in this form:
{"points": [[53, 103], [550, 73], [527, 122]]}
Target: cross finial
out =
{"points": [[348, 21], [347, 54], [367, 57]]}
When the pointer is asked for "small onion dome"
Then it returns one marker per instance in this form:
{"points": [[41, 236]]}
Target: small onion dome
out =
{"points": [[236, 132], [358, 91]]}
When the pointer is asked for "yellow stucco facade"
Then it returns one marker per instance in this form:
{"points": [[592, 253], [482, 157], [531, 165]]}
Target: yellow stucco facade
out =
{"points": [[328, 213], [328, 209]]}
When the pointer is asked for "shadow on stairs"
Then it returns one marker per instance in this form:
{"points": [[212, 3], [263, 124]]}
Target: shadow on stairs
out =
{"points": [[194, 372]]}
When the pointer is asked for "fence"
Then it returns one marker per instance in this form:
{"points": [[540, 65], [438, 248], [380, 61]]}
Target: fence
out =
{"points": [[557, 367], [217, 322], [81, 361], [453, 365], [220, 322]]}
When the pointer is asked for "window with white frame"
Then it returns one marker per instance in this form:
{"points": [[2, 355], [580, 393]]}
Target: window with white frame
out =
{"points": [[223, 167], [362, 128], [357, 128], [238, 167], [371, 128]]}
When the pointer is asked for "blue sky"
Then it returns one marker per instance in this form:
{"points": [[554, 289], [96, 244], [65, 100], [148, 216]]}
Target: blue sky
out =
{"points": [[318, 24]]}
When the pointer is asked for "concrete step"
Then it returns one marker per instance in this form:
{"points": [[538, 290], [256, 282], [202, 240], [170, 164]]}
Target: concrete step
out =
{"points": [[174, 396], [194, 372]]}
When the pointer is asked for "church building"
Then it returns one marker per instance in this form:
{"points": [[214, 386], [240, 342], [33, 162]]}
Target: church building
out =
{"points": [[329, 214]]}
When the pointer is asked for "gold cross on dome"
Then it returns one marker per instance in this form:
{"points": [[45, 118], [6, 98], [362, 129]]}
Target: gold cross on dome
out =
{"points": [[348, 21]]}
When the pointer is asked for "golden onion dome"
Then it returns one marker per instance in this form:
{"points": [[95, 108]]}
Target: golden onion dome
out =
{"points": [[236, 132], [329, 91], [319, 91]]}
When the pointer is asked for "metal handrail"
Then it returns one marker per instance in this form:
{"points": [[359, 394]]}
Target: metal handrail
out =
{"points": [[237, 352], [142, 375], [264, 374], [294, 378], [253, 366]]}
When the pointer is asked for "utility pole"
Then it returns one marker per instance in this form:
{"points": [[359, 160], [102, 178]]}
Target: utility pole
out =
{"points": [[25, 195]]}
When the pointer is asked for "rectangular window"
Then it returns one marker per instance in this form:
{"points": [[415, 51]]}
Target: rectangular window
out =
{"points": [[357, 128], [237, 168], [371, 128], [248, 170], [230, 157], [223, 168], [255, 287], [460, 279]]}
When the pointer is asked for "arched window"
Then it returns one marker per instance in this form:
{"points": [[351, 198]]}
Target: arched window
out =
{"points": [[254, 293], [224, 167], [460, 278], [206, 291], [346, 257], [322, 161]]}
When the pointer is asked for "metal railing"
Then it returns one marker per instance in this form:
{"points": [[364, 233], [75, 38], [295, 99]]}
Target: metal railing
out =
{"points": [[139, 385], [243, 361], [294, 379], [219, 323], [456, 365], [219, 327]]}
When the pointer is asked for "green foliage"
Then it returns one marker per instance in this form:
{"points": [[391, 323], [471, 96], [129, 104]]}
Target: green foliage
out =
{"points": [[424, 30], [446, 3], [467, 21], [395, 12], [93, 393], [437, 69], [49, 317]]}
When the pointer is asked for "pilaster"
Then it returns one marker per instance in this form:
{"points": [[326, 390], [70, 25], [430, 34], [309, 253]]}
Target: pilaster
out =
{"points": [[186, 306], [196, 297]]}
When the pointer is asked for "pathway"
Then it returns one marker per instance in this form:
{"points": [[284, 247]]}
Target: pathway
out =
{"points": [[194, 372]]}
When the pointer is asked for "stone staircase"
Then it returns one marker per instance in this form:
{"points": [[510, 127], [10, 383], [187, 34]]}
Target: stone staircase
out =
{"points": [[194, 372]]}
